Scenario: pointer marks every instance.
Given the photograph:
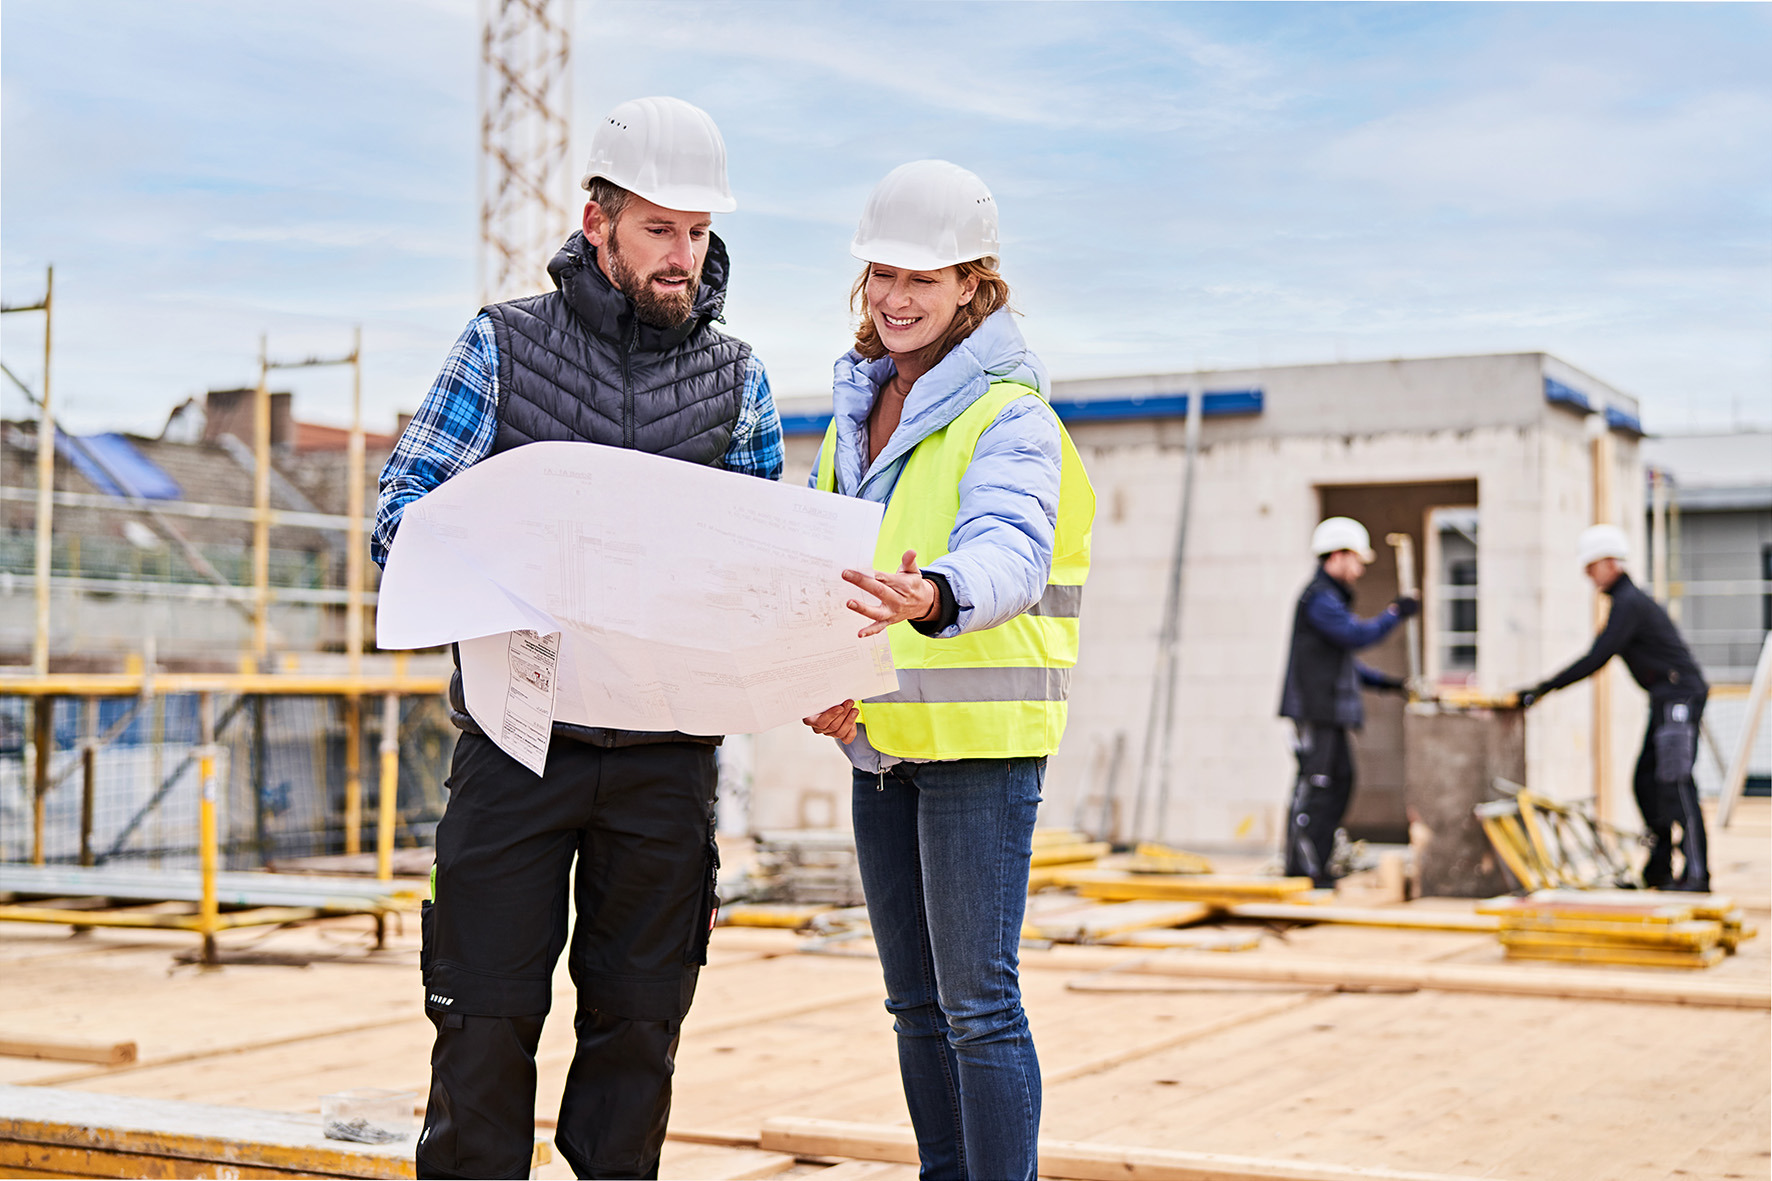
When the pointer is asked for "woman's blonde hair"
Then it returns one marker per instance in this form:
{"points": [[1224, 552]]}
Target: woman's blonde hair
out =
{"points": [[992, 294]]}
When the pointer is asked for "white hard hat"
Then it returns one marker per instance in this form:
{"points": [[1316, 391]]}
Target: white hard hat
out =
{"points": [[1601, 541], [926, 215], [1339, 533], [665, 150]]}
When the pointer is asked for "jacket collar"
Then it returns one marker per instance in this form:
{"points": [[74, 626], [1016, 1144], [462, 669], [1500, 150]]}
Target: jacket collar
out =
{"points": [[994, 352], [610, 314], [1335, 584]]}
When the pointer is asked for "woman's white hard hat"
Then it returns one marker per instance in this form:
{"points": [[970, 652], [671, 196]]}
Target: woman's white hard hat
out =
{"points": [[665, 150], [926, 215], [1339, 533], [1601, 541]]}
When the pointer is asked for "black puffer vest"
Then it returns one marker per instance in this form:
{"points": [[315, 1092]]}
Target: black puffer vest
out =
{"points": [[1322, 684], [577, 365]]}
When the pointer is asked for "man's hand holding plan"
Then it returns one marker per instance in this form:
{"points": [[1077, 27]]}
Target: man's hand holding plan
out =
{"points": [[684, 597]]}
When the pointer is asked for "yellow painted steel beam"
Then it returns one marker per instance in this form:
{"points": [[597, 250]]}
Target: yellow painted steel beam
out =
{"points": [[262, 916], [284, 684], [778, 915], [1068, 854], [353, 775], [207, 852], [388, 793]]}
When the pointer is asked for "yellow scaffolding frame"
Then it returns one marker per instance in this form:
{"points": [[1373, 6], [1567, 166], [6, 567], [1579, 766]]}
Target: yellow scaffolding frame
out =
{"points": [[209, 920], [1547, 844]]}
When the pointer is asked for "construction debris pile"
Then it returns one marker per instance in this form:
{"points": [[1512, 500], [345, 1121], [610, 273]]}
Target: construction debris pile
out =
{"points": [[1080, 892], [805, 867], [1639, 928]]}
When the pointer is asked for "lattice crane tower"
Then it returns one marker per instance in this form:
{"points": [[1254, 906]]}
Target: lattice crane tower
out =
{"points": [[526, 179]]}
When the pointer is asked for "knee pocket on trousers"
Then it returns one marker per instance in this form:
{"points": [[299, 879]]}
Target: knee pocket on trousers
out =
{"points": [[450, 988], [639, 999]]}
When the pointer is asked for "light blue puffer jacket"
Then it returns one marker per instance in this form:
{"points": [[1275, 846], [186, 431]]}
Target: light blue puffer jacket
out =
{"points": [[1000, 552]]}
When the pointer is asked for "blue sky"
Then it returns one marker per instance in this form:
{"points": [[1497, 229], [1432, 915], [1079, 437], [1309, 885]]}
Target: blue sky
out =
{"points": [[1217, 185]]}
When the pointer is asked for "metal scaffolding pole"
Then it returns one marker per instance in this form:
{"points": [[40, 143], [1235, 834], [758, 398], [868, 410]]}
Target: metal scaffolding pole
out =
{"points": [[1602, 680], [45, 520], [261, 512], [354, 510]]}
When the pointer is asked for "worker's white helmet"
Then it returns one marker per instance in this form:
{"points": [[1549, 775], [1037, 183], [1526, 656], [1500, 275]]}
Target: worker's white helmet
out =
{"points": [[665, 150], [1601, 541], [1339, 533], [926, 215]]}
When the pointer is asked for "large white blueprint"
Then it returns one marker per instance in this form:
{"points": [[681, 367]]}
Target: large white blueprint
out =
{"points": [[686, 598]]}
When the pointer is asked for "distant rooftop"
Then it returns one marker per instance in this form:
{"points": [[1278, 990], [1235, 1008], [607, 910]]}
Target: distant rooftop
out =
{"points": [[1731, 470]]}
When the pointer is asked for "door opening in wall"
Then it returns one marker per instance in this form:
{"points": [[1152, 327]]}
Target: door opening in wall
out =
{"points": [[1377, 812]]}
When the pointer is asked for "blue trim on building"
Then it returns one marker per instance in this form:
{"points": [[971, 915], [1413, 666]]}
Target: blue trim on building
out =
{"points": [[1216, 404], [1620, 420], [805, 424], [1558, 394]]}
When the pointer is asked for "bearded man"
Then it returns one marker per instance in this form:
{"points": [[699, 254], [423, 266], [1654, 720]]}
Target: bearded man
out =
{"points": [[623, 352]]}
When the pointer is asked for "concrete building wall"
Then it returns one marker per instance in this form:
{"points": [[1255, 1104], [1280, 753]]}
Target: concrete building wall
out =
{"points": [[1258, 495]]}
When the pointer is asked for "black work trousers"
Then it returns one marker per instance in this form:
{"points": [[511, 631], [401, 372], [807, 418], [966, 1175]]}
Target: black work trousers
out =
{"points": [[639, 823], [1319, 799], [1667, 796]]}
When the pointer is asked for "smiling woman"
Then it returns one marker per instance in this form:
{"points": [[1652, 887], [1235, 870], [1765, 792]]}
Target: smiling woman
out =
{"points": [[940, 414]]}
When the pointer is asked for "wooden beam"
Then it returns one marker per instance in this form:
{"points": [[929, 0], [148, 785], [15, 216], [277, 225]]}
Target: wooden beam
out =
{"points": [[1399, 918], [168, 1138], [1222, 889], [1501, 979], [1045, 855], [1067, 1159], [14, 1045]]}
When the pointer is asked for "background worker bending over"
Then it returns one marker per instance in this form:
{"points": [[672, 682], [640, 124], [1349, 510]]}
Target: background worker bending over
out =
{"points": [[1322, 691], [1638, 630]]}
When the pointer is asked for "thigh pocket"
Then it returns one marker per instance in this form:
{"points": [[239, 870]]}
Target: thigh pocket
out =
{"points": [[427, 928], [707, 911], [1676, 748]]}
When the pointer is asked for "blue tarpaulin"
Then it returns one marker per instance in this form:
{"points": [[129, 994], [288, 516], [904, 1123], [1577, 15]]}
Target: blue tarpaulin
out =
{"points": [[115, 467]]}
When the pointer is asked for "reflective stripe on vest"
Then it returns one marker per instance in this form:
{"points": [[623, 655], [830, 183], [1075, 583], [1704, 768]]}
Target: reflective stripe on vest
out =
{"points": [[999, 693]]}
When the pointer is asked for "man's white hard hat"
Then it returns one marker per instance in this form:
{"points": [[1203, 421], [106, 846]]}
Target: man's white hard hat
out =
{"points": [[926, 215], [1601, 541], [1339, 533], [665, 150]]}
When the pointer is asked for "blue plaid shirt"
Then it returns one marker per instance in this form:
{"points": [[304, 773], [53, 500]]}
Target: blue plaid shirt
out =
{"points": [[455, 427]]}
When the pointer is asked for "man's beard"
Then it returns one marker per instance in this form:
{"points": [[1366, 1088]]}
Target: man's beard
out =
{"points": [[652, 306]]}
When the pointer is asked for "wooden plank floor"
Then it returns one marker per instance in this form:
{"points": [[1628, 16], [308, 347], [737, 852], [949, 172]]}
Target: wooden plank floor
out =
{"points": [[1497, 1086]]}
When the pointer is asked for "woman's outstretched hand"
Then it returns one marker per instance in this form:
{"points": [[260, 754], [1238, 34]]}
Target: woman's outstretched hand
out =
{"points": [[837, 721], [903, 594]]}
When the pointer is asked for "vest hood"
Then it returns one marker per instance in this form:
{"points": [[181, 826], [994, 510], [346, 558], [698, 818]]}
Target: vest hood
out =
{"points": [[994, 352], [610, 314]]}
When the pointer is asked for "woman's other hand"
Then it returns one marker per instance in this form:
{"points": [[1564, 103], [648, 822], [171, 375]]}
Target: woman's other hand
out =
{"points": [[837, 721], [903, 594]]}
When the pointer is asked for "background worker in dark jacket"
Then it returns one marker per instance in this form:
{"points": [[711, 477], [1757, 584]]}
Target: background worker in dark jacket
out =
{"points": [[624, 353], [1322, 692], [1638, 630]]}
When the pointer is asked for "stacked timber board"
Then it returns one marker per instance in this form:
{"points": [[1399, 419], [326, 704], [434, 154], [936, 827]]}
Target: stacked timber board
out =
{"points": [[1637, 928], [51, 1132]]}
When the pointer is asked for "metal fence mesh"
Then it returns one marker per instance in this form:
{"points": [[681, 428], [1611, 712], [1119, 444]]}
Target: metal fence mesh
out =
{"points": [[283, 767]]}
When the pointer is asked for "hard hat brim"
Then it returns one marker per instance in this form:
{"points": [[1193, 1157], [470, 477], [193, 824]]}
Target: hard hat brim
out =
{"points": [[908, 255], [683, 199]]}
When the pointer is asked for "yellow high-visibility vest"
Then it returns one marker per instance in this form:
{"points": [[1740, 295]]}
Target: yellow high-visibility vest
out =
{"points": [[995, 694]]}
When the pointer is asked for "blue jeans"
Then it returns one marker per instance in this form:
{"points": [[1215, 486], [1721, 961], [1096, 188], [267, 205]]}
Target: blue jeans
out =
{"points": [[943, 850]]}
